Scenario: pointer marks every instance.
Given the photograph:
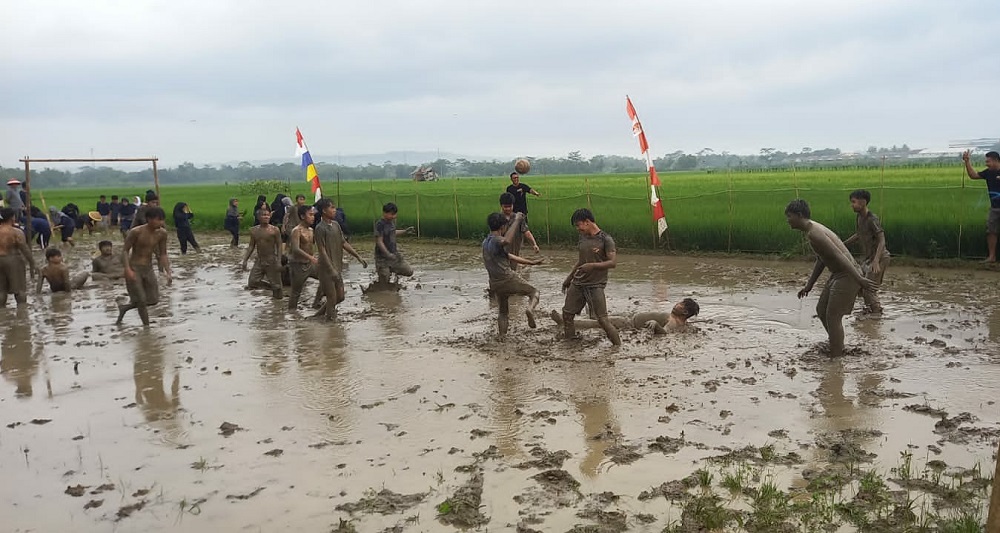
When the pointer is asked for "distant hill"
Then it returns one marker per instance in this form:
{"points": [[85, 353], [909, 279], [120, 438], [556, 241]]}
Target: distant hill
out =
{"points": [[399, 157]]}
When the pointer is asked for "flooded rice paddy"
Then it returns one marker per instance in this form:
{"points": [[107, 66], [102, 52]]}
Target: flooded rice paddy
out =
{"points": [[231, 414]]}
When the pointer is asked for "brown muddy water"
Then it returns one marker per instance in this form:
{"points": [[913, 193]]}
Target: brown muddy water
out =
{"points": [[231, 414]]}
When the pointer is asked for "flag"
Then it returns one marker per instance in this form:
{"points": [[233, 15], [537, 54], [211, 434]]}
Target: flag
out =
{"points": [[654, 180], [307, 163]]}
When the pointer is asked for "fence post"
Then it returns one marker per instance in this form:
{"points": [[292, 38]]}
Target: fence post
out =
{"points": [[649, 208], [548, 192], [961, 222], [586, 181], [416, 194], [454, 193], [729, 246]]}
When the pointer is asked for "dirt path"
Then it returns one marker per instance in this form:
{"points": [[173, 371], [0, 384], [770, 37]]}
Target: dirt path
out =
{"points": [[230, 413]]}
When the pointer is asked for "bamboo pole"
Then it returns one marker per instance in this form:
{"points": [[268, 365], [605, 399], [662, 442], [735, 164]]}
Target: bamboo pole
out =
{"points": [[454, 192], [156, 181], [27, 200], [649, 208], [416, 193], [548, 192], [586, 181], [961, 214], [729, 245]]}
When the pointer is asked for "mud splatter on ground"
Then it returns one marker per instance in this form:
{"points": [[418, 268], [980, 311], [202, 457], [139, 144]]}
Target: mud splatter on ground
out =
{"points": [[231, 412]]}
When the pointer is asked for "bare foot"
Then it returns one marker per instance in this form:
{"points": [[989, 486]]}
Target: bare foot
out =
{"points": [[531, 318]]}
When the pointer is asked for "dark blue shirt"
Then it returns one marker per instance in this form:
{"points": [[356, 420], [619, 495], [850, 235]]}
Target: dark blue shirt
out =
{"points": [[992, 178], [104, 208], [41, 226]]}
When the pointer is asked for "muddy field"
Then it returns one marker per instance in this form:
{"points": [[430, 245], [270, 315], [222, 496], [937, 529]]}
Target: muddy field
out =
{"points": [[230, 414]]}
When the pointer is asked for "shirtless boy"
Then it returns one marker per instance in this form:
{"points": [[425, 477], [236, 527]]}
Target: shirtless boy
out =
{"points": [[658, 323], [266, 239], [141, 244], [331, 245], [845, 281], [107, 265], [301, 259], [14, 253], [57, 274]]}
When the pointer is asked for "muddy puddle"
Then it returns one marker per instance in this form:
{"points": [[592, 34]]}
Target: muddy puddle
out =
{"points": [[231, 414]]}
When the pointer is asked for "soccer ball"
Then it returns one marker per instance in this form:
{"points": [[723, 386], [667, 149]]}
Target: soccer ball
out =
{"points": [[522, 166]]}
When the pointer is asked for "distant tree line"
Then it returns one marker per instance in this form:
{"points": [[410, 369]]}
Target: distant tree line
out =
{"points": [[573, 163]]}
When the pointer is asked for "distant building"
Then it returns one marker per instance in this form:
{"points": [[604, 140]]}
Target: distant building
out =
{"points": [[983, 144], [424, 173]]}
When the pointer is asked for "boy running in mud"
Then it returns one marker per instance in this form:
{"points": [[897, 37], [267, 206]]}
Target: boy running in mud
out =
{"points": [[141, 244], [107, 265], [14, 253], [845, 281], [57, 274], [330, 244], [504, 281], [584, 286], [522, 233], [388, 260], [658, 323], [266, 239], [875, 256], [301, 260]]}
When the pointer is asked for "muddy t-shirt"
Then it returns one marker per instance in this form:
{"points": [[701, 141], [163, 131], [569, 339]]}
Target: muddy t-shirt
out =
{"points": [[868, 229], [329, 237], [594, 249], [992, 178], [387, 229], [495, 258], [518, 239]]}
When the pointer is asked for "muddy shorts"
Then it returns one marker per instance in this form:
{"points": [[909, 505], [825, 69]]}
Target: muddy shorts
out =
{"points": [[993, 221], [144, 289], [384, 267], [330, 281], [514, 285], [12, 276], [299, 272], [578, 296], [260, 271], [838, 296]]}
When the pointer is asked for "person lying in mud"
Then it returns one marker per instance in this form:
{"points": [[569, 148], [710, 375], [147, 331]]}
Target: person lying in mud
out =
{"points": [[57, 274], [301, 259], [14, 254], [504, 281], [846, 279], [141, 244], [659, 323], [107, 265], [266, 239], [330, 245]]}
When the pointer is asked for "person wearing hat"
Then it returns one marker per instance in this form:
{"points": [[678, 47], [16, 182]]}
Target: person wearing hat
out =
{"points": [[13, 199]]}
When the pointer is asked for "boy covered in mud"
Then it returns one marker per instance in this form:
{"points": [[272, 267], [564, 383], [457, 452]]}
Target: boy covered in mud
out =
{"points": [[266, 239], [657, 322], [14, 254], [846, 279], [141, 244], [301, 260], [504, 281], [875, 256], [388, 259], [107, 265], [522, 233], [330, 245], [584, 286], [57, 274]]}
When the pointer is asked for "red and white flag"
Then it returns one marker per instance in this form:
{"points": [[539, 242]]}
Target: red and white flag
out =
{"points": [[654, 180]]}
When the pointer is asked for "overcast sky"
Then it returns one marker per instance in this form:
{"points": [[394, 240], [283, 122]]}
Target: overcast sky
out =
{"points": [[219, 80]]}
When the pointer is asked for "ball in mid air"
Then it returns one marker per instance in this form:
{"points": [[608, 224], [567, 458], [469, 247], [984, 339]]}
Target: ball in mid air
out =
{"points": [[522, 166]]}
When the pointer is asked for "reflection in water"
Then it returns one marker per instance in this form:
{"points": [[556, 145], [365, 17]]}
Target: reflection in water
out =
{"points": [[62, 313], [388, 306], [508, 385], [872, 328], [159, 409], [592, 390], [17, 362], [272, 338], [321, 350]]}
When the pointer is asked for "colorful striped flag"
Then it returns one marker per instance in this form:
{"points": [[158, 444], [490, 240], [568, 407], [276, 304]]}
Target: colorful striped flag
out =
{"points": [[307, 163], [654, 180]]}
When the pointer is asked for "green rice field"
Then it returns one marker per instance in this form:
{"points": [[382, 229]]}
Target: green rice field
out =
{"points": [[927, 212]]}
